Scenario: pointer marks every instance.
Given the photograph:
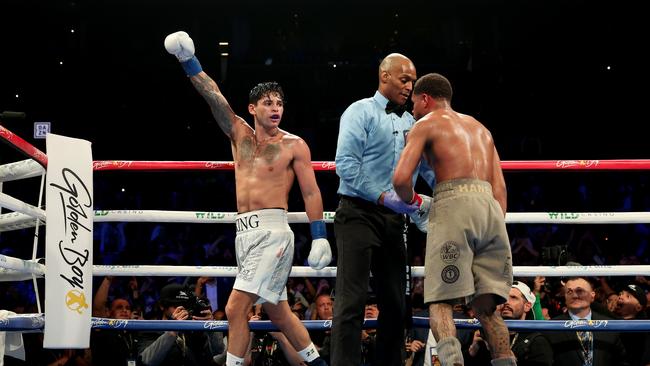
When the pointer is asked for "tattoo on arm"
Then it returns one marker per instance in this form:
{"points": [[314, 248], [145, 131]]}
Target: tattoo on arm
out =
{"points": [[221, 110]]}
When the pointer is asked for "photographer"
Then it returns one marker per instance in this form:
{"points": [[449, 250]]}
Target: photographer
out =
{"points": [[180, 348]]}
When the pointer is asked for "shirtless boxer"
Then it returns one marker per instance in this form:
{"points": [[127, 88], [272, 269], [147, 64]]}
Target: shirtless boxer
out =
{"points": [[468, 255], [267, 159]]}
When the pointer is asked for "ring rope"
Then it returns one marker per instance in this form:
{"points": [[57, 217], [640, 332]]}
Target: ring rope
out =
{"points": [[34, 153], [16, 221], [20, 170], [10, 275], [417, 271], [32, 266], [301, 217], [23, 146], [23, 218], [26, 266], [614, 164], [37, 322], [17, 205]]}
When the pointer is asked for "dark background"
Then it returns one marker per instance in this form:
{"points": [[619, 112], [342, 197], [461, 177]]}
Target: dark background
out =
{"points": [[556, 79], [534, 72]]}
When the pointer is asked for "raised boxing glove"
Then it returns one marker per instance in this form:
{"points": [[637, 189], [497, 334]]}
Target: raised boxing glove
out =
{"points": [[181, 45]]}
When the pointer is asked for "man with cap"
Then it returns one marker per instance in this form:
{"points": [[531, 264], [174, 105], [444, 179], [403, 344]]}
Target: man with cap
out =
{"points": [[176, 348], [631, 304], [530, 348]]}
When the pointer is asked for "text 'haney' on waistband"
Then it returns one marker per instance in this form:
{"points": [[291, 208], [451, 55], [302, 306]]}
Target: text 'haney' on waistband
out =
{"points": [[463, 186]]}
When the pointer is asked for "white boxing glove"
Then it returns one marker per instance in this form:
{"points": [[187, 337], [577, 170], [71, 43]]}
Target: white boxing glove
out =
{"points": [[320, 254], [181, 45], [421, 217]]}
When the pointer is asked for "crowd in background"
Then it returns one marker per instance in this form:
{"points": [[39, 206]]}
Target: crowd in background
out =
{"points": [[312, 298]]}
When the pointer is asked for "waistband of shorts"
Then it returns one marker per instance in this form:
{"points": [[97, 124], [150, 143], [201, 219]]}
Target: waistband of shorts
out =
{"points": [[268, 218], [462, 186]]}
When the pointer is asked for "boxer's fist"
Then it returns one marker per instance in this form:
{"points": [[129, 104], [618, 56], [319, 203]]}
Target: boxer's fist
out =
{"points": [[395, 203], [180, 45], [420, 217], [320, 254]]}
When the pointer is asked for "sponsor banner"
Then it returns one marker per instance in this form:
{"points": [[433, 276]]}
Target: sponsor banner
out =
{"points": [[68, 243]]}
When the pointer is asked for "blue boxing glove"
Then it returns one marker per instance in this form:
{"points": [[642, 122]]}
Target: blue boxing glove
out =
{"points": [[181, 45], [320, 254], [395, 203], [420, 217]]}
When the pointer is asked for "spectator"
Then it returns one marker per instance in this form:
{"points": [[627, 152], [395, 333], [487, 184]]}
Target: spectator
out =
{"points": [[173, 348], [631, 304], [584, 347]]}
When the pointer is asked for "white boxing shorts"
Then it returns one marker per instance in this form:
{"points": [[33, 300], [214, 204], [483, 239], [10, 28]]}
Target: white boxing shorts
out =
{"points": [[264, 248]]}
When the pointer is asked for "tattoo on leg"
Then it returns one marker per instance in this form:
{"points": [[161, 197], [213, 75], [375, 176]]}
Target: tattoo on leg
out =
{"points": [[497, 335], [442, 320]]}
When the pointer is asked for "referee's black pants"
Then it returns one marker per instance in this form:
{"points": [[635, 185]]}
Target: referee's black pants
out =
{"points": [[369, 238]]}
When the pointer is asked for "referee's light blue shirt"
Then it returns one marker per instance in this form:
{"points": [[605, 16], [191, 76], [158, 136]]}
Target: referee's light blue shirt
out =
{"points": [[369, 146]]}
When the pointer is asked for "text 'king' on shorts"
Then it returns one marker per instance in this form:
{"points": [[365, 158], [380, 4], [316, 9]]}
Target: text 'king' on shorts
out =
{"points": [[264, 248]]}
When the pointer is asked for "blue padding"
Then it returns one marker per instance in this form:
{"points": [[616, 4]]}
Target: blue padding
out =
{"points": [[318, 230], [192, 66]]}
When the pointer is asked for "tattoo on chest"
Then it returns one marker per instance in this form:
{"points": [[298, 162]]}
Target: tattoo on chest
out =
{"points": [[270, 153], [248, 151]]}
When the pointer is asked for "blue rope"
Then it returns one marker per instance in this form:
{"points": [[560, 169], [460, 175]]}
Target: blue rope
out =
{"points": [[37, 322]]}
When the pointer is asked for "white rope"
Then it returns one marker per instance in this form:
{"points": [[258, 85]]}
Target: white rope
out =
{"points": [[20, 170], [21, 265], [11, 275], [578, 217], [301, 217], [31, 266], [417, 271], [15, 221], [197, 271], [20, 206], [196, 217]]}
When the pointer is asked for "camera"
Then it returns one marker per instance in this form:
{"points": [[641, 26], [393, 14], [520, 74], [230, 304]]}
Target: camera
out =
{"points": [[195, 305]]}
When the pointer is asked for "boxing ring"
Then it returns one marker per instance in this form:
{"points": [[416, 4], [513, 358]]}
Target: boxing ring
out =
{"points": [[24, 216]]}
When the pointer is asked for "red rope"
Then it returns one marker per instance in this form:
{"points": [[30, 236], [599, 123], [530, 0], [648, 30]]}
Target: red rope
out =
{"points": [[23, 146], [626, 164], [34, 153]]}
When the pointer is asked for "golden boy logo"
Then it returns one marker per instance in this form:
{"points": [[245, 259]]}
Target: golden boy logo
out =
{"points": [[75, 300]]}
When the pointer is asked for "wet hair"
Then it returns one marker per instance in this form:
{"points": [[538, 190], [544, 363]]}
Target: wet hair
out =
{"points": [[262, 90], [435, 85]]}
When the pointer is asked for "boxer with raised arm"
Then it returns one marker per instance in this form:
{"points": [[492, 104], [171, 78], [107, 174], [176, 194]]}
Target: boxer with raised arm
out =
{"points": [[267, 159]]}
